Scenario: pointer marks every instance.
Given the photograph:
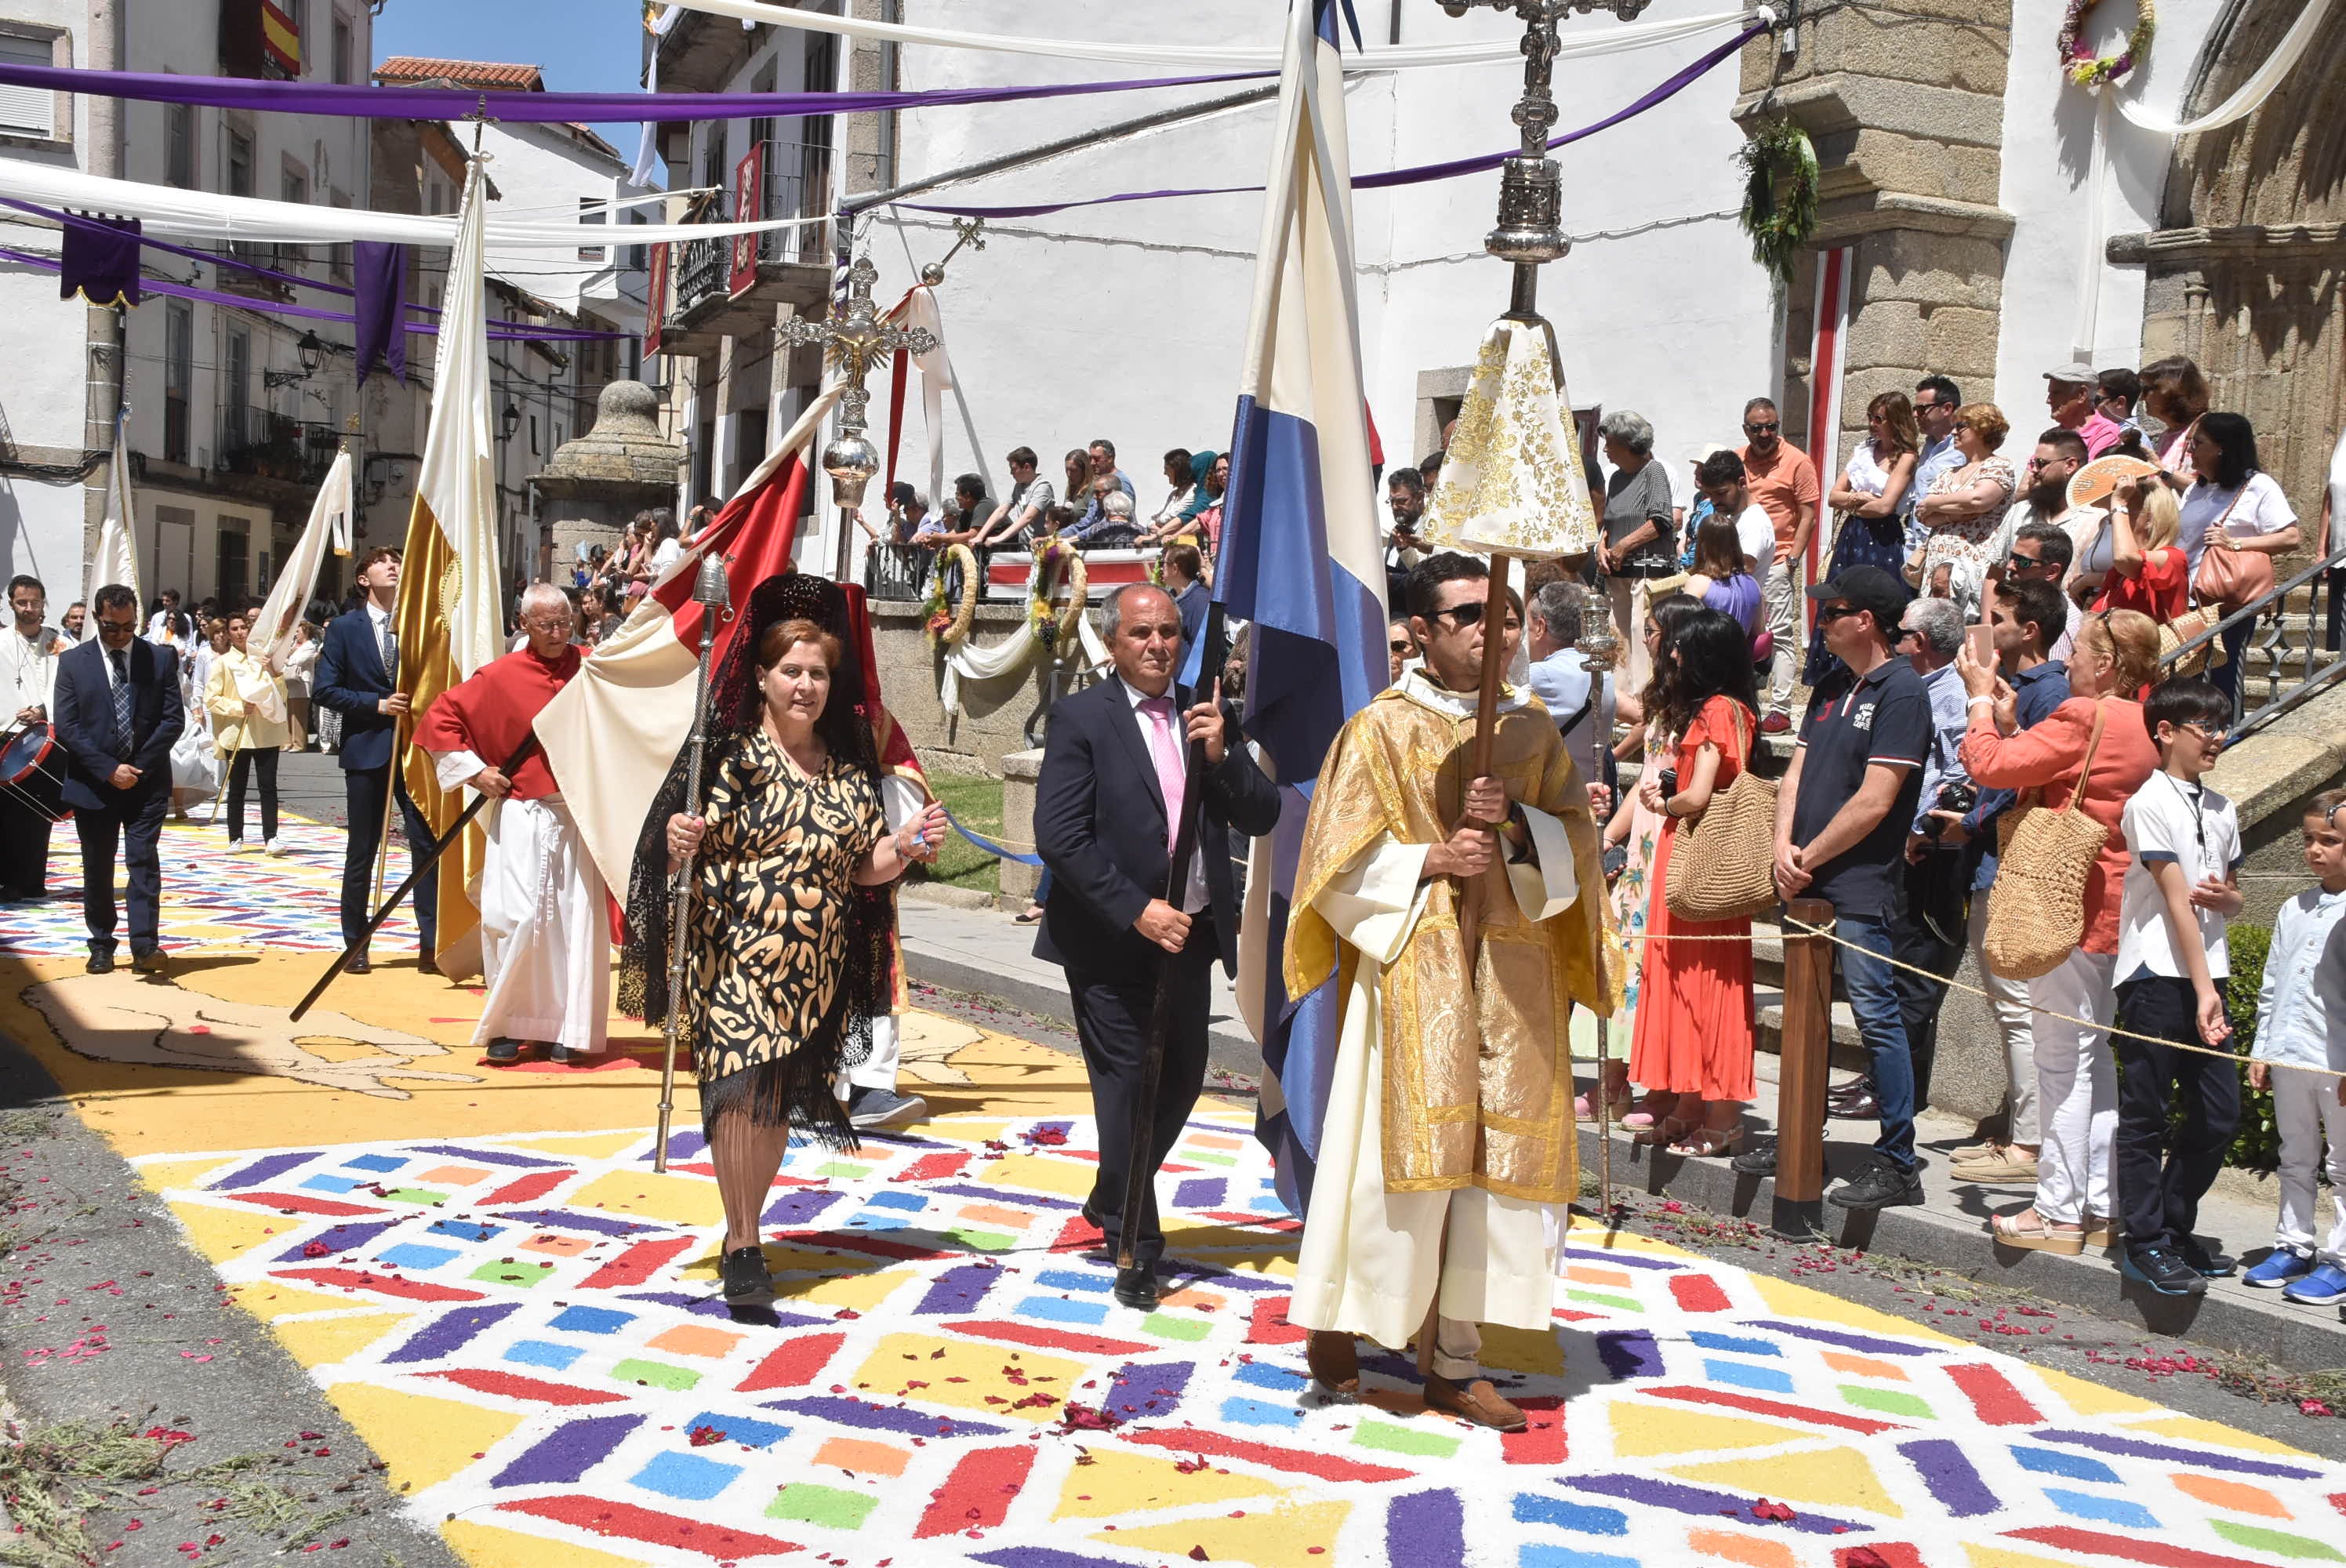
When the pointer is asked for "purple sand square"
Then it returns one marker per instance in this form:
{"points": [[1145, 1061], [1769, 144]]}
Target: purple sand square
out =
{"points": [[681, 1146], [1042, 1557], [957, 1289], [1154, 1390], [2203, 1458], [802, 1207], [266, 1170], [1950, 1476], [1621, 1259], [492, 1157], [884, 1418], [453, 1331], [1703, 1502], [1426, 1530], [568, 1453], [1199, 1192], [1629, 1353], [352, 1235]]}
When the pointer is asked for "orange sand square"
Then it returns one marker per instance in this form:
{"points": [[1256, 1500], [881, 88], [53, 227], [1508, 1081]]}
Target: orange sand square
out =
{"points": [[994, 1214], [1211, 1141], [691, 1339], [1863, 1366], [1742, 1549], [450, 1176], [560, 1246], [2238, 1496], [1202, 1300], [1587, 1274], [862, 1458]]}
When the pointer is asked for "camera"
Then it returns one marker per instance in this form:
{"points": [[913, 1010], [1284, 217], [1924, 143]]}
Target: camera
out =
{"points": [[1668, 780], [1959, 797]]}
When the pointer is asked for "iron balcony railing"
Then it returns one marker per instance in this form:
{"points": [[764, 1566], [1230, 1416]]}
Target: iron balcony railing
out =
{"points": [[266, 444], [794, 181], [899, 573], [2294, 656]]}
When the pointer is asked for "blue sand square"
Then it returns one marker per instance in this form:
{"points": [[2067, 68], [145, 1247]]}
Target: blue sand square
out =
{"points": [[1059, 1309], [685, 1475], [1069, 1280], [544, 1353], [592, 1321], [1267, 1375], [1735, 1342], [741, 1429], [905, 1200], [1742, 1374], [1258, 1413], [467, 1230], [2107, 1510], [2058, 1461], [1532, 1507], [414, 1255], [377, 1163], [327, 1182], [1534, 1555]]}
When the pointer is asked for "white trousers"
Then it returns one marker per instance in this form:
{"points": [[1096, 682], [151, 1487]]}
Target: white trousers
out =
{"points": [[1779, 606], [545, 931], [878, 1070], [2017, 1025], [2076, 1088], [2307, 1112], [1631, 603]]}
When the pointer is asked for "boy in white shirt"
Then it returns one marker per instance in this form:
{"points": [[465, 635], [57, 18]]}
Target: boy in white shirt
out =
{"points": [[2301, 1022], [2181, 887]]}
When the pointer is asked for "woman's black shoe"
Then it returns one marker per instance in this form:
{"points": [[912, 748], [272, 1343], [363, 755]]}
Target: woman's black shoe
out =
{"points": [[747, 1283]]}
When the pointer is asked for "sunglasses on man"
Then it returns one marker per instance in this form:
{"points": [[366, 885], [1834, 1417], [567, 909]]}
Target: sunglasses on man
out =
{"points": [[1757, 427], [1469, 614]]}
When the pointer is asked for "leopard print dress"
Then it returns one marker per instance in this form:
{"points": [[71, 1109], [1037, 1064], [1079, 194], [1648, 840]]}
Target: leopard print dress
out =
{"points": [[770, 917]]}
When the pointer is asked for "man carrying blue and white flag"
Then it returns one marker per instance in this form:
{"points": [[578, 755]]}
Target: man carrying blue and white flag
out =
{"points": [[1428, 1081]]}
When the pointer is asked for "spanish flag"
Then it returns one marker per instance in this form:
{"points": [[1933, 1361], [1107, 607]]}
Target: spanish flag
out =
{"points": [[448, 616]]}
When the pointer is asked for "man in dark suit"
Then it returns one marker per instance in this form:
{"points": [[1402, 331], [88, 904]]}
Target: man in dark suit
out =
{"points": [[357, 675], [117, 711], [1106, 807]]}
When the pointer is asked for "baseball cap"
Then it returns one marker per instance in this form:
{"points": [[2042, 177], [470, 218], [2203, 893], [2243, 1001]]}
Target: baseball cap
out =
{"points": [[2078, 373], [1708, 450], [1867, 588]]}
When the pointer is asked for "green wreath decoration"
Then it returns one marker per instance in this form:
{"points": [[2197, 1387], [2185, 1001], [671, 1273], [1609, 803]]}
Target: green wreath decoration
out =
{"points": [[2091, 71], [1779, 225], [1056, 560], [948, 626]]}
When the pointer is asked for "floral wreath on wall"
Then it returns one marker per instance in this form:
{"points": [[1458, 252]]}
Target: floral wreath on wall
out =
{"points": [[2091, 71], [1054, 559], [947, 622]]}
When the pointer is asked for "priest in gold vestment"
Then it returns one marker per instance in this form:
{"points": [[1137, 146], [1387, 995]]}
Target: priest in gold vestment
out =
{"points": [[1448, 1140]]}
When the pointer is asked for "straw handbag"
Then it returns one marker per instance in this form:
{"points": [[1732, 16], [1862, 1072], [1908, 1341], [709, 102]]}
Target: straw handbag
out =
{"points": [[1723, 867], [2036, 906]]}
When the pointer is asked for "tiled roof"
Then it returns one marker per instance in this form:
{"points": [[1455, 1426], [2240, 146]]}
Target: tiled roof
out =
{"points": [[481, 74]]}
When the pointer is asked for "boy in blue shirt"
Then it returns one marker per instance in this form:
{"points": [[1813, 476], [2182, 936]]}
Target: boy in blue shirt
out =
{"points": [[2301, 1023]]}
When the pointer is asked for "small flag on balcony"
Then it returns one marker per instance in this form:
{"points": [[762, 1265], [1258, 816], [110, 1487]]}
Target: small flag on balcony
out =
{"points": [[382, 306], [98, 259]]}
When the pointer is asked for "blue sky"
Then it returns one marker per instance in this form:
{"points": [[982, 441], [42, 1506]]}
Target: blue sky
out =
{"points": [[582, 46]]}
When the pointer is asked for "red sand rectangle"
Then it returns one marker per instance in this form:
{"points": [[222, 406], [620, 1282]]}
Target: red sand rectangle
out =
{"points": [[536, 1184], [1270, 1325], [1278, 1224], [1327, 1467], [2132, 1548], [482, 1380], [623, 1520], [871, 1245], [636, 1265], [793, 1363], [381, 1284], [936, 1167], [977, 1495], [1897, 1553], [1542, 1442], [1775, 1408], [1698, 1293], [302, 1203], [1074, 1236], [1992, 1396], [1043, 1338]]}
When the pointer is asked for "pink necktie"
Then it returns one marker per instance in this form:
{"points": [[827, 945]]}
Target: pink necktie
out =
{"points": [[1171, 777]]}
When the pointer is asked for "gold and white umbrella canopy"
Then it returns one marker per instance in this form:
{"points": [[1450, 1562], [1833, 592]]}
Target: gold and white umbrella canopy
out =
{"points": [[1512, 485]]}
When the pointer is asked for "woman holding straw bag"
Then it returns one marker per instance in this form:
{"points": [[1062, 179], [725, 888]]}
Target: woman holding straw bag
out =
{"points": [[2087, 757]]}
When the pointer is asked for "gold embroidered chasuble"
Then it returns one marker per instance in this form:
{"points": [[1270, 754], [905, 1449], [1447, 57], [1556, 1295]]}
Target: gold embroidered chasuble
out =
{"points": [[1477, 1080]]}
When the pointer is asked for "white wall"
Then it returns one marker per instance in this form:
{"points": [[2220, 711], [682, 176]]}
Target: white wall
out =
{"points": [[542, 173], [2049, 148]]}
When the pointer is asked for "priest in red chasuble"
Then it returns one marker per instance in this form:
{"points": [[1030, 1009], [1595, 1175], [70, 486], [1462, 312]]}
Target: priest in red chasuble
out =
{"points": [[546, 934]]}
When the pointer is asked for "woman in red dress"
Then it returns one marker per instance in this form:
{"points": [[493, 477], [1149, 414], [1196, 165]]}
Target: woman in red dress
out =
{"points": [[2150, 570], [1694, 1037]]}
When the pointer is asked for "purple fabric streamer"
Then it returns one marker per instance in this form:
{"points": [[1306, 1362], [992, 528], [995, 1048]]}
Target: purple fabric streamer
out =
{"points": [[380, 317], [100, 261], [1419, 174], [502, 332], [356, 100]]}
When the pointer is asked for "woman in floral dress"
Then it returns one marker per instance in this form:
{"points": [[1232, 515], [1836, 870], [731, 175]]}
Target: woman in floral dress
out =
{"points": [[1963, 510]]}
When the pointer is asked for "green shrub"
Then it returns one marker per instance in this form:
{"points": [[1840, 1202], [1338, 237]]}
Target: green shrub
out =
{"points": [[2257, 1146]]}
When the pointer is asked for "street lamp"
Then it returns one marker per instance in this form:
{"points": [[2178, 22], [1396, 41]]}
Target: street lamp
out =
{"points": [[509, 420], [311, 350]]}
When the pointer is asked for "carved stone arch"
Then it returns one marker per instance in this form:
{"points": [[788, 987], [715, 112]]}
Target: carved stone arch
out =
{"points": [[2245, 271]]}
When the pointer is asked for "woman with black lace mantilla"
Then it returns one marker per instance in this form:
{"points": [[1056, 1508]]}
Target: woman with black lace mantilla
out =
{"points": [[787, 952]]}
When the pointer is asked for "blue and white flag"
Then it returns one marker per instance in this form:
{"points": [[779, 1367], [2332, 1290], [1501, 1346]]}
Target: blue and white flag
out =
{"points": [[1302, 559]]}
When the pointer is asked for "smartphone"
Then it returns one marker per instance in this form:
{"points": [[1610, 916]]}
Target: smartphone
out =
{"points": [[1983, 636]]}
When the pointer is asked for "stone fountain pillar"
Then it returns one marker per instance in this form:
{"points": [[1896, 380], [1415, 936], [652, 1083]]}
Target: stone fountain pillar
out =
{"points": [[598, 482]]}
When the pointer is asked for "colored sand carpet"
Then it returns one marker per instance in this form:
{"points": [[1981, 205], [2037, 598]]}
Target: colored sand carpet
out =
{"points": [[525, 1327]]}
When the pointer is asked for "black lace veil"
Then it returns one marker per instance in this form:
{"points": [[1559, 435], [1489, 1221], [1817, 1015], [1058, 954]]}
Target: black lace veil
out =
{"points": [[801, 1089]]}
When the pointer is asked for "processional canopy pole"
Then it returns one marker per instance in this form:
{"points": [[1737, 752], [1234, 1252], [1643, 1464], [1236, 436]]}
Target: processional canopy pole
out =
{"points": [[712, 591], [853, 339]]}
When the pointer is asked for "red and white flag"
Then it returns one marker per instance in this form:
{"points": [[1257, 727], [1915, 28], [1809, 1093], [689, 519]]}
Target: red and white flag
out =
{"points": [[612, 734]]}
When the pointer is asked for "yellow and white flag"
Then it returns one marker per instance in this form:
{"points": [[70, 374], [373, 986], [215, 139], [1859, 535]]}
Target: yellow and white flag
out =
{"points": [[329, 528], [117, 560], [449, 619]]}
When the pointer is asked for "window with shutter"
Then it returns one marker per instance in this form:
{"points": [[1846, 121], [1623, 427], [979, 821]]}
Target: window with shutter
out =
{"points": [[27, 111]]}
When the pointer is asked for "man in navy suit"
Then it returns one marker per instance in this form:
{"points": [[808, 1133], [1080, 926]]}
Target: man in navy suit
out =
{"points": [[118, 710], [357, 674], [1105, 810]]}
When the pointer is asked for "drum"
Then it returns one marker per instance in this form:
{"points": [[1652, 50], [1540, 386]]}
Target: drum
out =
{"points": [[33, 770]]}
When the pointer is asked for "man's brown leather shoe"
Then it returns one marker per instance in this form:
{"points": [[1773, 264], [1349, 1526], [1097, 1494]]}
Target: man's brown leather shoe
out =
{"points": [[1335, 1360], [1478, 1402]]}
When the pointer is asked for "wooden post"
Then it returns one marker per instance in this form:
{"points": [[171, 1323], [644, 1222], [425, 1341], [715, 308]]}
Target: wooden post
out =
{"points": [[1807, 1048]]}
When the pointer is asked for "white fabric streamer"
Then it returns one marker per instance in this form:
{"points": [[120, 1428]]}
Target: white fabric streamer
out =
{"points": [[970, 662], [207, 215], [1578, 43], [936, 375], [2252, 93]]}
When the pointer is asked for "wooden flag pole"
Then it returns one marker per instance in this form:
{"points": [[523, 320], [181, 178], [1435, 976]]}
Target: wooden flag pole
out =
{"points": [[1486, 727]]}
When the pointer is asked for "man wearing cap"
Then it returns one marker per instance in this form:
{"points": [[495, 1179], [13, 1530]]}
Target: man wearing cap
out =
{"points": [[2069, 394], [1841, 817]]}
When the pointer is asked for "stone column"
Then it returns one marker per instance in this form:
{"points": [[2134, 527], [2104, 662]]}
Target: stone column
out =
{"points": [[1906, 113]]}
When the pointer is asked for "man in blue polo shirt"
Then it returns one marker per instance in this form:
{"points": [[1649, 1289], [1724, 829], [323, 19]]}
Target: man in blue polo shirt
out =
{"points": [[1842, 820]]}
